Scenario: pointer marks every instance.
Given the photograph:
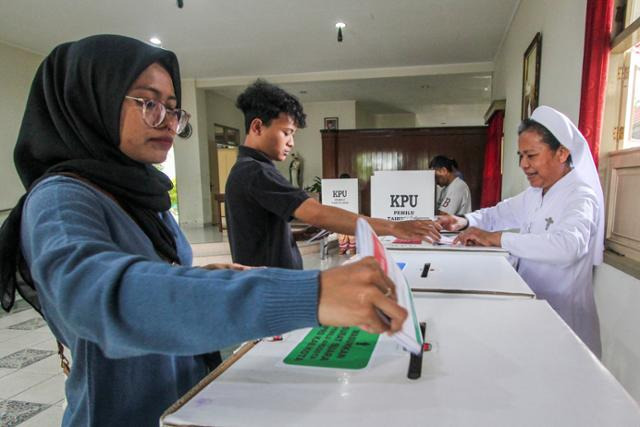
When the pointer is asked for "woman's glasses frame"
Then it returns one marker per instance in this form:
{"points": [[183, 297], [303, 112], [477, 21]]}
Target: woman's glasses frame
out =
{"points": [[151, 108]]}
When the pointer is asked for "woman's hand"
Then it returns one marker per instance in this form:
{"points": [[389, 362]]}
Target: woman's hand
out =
{"points": [[476, 237], [227, 266], [357, 294], [452, 222], [417, 230]]}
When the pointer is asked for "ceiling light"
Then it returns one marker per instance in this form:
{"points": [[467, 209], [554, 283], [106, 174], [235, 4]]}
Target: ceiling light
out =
{"points": [[340, 26], [156, 41]]}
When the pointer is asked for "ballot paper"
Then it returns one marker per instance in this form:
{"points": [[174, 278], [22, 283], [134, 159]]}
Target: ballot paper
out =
{"points": [[446, 240], [368, 244]]}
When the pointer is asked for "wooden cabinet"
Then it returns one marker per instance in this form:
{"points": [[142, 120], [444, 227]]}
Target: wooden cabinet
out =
{"points": [[226, 159], [221, 160], [361, 152]]}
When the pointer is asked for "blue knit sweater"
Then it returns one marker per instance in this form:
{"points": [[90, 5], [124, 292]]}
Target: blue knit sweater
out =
{"points": [[134, 323]]}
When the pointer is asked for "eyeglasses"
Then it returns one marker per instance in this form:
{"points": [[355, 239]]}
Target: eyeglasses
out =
{"points": [[154, 113]]}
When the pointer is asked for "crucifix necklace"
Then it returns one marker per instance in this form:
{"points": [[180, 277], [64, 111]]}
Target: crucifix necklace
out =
{"points": [[549, 221]]}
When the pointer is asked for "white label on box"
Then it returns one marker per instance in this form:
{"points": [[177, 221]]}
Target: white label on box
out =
{"points": [[403, 195], [341, 193]]}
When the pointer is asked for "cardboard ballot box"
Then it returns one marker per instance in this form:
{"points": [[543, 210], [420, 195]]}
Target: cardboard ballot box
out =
{"points": [[341, 193], [493, 363], [403, 195]]}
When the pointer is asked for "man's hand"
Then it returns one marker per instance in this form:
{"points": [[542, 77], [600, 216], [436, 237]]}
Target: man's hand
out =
{"points": [[476, 237], [352, 294], [227, 266], [452, 222], [417, 230]]}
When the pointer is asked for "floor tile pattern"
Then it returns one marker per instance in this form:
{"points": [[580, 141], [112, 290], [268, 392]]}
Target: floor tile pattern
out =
{"points": [[23, 358], [14, 412], [29, 325]]}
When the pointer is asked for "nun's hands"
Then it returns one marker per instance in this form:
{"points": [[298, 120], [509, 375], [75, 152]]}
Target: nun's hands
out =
{"points": [[418, 229], [227, 266], [356, 294], [452, 222], [476, 237]]}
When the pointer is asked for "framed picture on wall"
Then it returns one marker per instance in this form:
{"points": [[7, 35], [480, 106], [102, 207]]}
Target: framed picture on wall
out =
{"points": [[331, 123], [531, 77], [226, 136]]}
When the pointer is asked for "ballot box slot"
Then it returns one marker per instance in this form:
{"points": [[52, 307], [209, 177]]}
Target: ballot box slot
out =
{"points": [[473, 292], [425, 270], [415, 360]]}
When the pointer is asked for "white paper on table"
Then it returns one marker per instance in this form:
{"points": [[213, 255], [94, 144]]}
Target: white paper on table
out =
{"points": [[368, 244], [446, 239]]}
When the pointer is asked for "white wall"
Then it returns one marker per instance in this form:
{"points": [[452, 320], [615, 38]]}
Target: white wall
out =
{"points": [[451, 115], [562, 24], [308, 142], [223, 111], [433, 115], [17, 68], [399, 120], [364, 118], [192, 161], [618, 299]]}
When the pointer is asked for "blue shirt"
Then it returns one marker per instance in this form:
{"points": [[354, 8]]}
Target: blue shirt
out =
{"points": [[133, 322]]}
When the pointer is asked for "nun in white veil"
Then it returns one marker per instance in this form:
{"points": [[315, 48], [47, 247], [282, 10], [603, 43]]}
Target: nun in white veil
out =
{"points": [[560, 219]]}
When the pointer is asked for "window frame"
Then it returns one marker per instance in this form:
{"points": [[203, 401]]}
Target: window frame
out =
{"points": [[620, 162]]}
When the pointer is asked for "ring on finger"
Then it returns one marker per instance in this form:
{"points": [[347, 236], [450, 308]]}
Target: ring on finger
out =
{"points": [[388, 292]]}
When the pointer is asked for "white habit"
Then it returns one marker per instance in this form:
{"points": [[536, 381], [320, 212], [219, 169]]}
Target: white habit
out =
{"points": [[555, 247], [455, 198]]}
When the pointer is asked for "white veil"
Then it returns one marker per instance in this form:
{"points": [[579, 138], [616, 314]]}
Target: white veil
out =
{"points": [[569, 136]]}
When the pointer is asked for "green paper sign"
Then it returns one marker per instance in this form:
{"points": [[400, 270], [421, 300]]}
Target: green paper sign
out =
{"points": [[332, 347]]}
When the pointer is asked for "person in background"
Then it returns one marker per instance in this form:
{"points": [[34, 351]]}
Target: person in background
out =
{"points": [[560, 219], [260, 202], [346, 242], [456, 171], [453, 196], [105, 262]]}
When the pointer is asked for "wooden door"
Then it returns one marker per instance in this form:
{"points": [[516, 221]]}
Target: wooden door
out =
{"points": [[226, 159]]}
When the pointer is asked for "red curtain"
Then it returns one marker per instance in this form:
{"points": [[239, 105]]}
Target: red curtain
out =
{"points": [[597, 44], [491, 176]]}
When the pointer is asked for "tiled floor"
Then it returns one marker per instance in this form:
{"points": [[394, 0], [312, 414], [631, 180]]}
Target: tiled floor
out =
{"points": [[204, 234], [31, 380]]}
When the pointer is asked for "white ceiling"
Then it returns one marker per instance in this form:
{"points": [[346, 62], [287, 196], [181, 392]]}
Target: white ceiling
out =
{"points": [[391, 95], [215, 39]]}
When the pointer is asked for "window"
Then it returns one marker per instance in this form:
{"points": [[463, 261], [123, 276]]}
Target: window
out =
{"points": [[620, 147]]}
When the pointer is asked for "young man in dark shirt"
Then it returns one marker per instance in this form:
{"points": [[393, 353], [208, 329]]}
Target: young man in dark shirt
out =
{"points": [[260, 202]]}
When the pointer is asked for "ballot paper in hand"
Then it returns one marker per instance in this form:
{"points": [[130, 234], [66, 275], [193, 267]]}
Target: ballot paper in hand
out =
{"points": [[368, 244]]}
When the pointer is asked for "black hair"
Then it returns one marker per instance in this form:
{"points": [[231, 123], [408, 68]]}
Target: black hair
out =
{"points": [[265, 101], [345, 175], [529, 125], [443, 162]]}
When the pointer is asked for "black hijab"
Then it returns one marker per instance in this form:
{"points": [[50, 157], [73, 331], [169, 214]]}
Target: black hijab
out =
{"points": [[72, 125]]}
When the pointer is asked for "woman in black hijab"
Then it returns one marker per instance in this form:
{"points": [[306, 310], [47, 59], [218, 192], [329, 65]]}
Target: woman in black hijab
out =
{"points": [[109, 263]]}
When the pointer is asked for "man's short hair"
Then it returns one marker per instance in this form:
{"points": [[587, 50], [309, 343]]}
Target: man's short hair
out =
{"points": [[265, 101], [443, 162]]}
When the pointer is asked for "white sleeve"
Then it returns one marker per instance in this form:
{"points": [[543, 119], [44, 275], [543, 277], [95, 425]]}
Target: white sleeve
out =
{"points": [[505, 215], [566, 242]]}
